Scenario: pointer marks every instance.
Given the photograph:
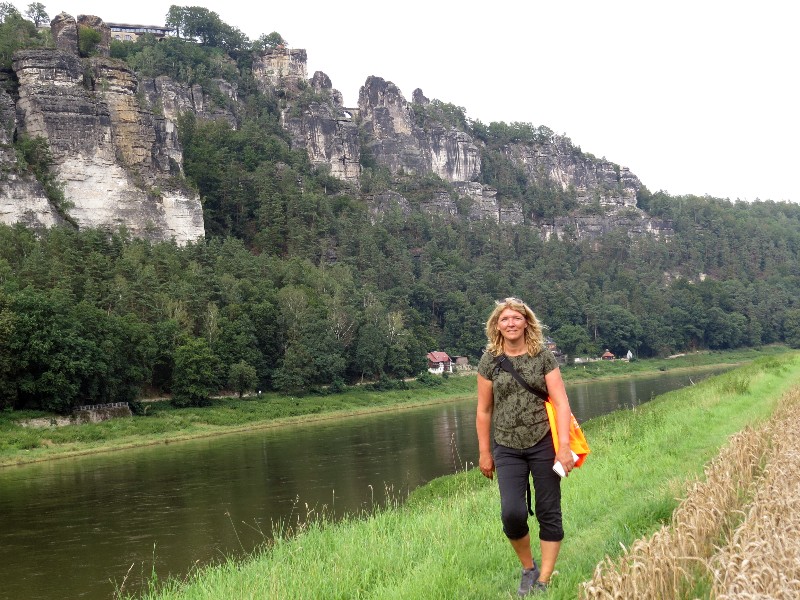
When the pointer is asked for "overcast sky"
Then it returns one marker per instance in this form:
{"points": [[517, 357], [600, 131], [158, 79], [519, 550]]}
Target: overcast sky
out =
{"points": [[695, 97]]}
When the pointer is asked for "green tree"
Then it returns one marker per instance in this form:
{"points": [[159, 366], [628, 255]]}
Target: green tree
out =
{"points": [[175, 18], [573, 340], [268, 42], [371, 350], [52, 360], [88, 38], [619, 329], [7, 385], [242, 378], [791, 327], [196, 374], [37, 13], [8, 11], [16, 33]]}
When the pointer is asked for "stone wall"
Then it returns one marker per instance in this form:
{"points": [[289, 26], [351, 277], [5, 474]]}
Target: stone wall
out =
{"points": [[97, 413]]}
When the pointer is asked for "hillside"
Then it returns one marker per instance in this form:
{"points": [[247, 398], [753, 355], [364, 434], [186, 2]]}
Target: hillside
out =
{"points": [[191, 213]]}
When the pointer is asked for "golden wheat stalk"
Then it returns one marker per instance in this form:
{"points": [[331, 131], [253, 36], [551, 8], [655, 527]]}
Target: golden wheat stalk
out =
{"points": [[666, 564]]}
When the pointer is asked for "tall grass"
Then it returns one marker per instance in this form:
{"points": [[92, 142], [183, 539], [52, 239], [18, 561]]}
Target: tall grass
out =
{"points": [[735, 535], [445, 540]]}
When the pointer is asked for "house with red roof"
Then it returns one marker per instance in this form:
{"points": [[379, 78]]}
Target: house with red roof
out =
{"points": [[439, 362]]}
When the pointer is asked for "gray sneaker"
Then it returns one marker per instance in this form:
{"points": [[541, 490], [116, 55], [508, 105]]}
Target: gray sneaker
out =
{"points": [[529, 580]]}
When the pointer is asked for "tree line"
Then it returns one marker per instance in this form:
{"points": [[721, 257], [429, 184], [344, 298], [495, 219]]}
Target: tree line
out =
{"points": [[87, 317]]}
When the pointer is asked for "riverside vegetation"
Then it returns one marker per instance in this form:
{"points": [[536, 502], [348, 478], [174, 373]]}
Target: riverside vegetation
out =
{"points": [[160, 421], [444, 540]]}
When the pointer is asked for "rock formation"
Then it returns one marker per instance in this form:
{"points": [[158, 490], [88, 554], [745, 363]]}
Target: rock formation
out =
{"points": [[22, 197], [114, 157], [114, 140], [281, 68], [325, 129], [396, 142], [556, 160]]}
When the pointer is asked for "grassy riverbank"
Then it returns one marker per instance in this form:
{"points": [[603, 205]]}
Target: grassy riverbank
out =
{"points": [[163, 423], [445, 540]]}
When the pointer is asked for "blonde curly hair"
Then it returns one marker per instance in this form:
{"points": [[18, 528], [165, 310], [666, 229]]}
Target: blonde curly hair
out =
{"points": [[534, 338]]}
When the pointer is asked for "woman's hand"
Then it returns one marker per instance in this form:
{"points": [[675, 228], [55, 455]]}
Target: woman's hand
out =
{"points": [[564, 456], [486, 464]]}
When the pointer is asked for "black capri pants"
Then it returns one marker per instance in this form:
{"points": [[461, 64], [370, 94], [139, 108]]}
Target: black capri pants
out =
{"points": [[513, 468]]}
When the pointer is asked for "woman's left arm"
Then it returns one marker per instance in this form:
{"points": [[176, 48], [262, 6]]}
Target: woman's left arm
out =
{"points": [[558, 396]]}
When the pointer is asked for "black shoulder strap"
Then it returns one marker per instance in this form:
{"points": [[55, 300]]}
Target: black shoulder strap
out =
{"points": [[505, 364]]}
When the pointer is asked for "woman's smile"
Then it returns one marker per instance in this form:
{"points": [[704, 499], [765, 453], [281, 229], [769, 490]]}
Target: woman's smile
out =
{"points": [[511, 324]]}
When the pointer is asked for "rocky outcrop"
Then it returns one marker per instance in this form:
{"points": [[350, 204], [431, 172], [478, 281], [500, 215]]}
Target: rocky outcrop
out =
{"points": [[329, 137], [397, 143], [65, 33], [281, 68], [326, 130], [482, 203], [103, 47], [22, 197], [386, 203], [115, 158], [635, 222], [114, 139], [167, 100], [557, 161]]}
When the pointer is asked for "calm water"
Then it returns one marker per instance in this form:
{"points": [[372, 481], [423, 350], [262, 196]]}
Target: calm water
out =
{"points": [[78, 528]]}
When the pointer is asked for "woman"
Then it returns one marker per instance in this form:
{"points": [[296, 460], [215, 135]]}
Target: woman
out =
{"points": [[514, 436]]}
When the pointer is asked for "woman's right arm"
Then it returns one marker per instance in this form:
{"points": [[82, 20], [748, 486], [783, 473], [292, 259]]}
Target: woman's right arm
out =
{"points": [[483, 423]]}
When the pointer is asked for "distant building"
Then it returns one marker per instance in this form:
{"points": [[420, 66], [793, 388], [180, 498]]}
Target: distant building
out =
{"points": [[461, 362], [608, 355], [125, 32], [551, 345], [439, 362]]}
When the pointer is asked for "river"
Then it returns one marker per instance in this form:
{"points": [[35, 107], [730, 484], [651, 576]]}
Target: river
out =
{"points": [[80, 528]]}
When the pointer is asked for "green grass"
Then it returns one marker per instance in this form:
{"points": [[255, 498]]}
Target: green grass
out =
{"points": [[692, 360], [445, 541]]}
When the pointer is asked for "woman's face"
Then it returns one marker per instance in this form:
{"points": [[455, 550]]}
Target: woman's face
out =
{"points": [[511, 324]]}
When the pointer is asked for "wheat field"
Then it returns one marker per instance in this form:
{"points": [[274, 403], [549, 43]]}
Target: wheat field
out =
{"points": [[735, 535]]}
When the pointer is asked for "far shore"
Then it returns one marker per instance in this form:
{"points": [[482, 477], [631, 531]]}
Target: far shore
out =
{"points": [[163, 424]]}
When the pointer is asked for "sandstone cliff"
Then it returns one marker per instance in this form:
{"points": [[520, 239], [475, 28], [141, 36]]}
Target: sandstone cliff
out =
{"points": [[317, 122], [114, 140], [396, 142], [115, 158], [384, 127], [22, 197]]}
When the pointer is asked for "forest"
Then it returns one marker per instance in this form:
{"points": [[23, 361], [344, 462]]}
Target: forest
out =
{"points": [[298, 287]]}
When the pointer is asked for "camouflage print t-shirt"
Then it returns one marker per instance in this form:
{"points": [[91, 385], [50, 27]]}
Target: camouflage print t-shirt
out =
{"points": [[519, 419]]}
